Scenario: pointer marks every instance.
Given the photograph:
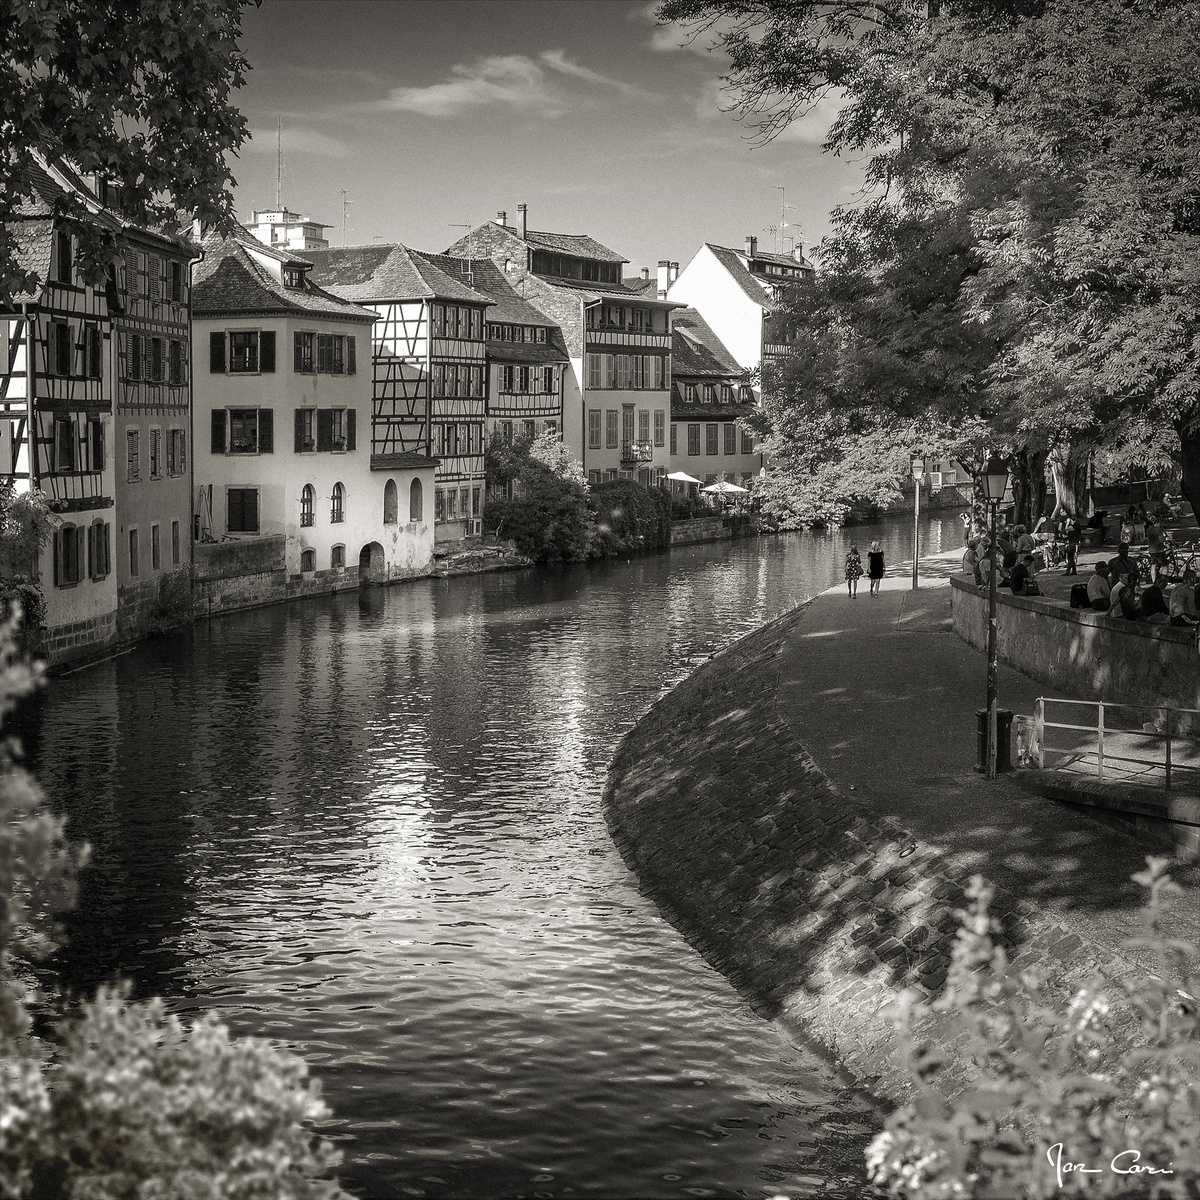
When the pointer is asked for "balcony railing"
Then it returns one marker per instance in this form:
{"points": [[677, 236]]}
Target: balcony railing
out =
{"points": [[637, 452]]}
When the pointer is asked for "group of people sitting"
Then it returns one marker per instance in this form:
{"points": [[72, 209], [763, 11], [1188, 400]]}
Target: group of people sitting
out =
{"points": [[1113, 587], [1018, 558]]}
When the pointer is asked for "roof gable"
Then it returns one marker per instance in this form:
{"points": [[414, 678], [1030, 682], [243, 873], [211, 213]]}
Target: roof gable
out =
{"points": [[387, 272]]}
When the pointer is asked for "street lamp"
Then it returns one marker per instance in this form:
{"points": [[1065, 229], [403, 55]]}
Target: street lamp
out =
{"points": [[995, 483], [918, 473]]}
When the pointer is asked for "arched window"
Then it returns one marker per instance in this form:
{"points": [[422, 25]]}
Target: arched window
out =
{"points": [[308, 561], [337, 557], [308, 498], [389, 502], [337, 504], [415, 501]]}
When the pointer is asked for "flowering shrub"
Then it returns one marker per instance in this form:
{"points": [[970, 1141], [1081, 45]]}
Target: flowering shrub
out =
{"points": [[1067, 1099], [129, 1102]]}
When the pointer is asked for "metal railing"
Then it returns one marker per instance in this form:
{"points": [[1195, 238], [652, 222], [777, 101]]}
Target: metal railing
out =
{"points": [[1119, 749]]}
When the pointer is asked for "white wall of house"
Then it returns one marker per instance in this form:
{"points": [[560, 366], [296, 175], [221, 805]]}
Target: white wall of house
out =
{"points": [[737, 467], [282, 474], [733, 316], [651, 416]]}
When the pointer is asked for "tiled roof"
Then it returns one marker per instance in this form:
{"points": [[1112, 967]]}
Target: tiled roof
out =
{"points": [[230, 281], [387, 272], [681, 410], [731, 261], [31, 241], [578, 245], [603, 291], [529, 352], [403, 460], [508, 305], [696, 350], [635, 283], [279, 255]]}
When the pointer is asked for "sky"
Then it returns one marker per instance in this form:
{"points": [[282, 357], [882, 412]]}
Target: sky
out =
{"points": [[436, 114]]}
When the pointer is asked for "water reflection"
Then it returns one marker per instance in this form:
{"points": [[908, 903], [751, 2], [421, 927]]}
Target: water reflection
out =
{"points": [[369, 826]]}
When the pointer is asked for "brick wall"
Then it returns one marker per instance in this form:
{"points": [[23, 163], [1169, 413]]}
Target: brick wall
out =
{"points": [[79, 641]]}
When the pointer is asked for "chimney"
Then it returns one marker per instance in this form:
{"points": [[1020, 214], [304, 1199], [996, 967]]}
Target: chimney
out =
{"points": [[751, 245], [645, 272], [674, 272], [502, 217], [522, 213], [664, 278], [798, 252]]}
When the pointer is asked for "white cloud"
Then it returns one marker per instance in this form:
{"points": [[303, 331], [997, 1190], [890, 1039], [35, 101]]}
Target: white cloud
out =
{"points": [[514, 81], [813, 125], [671, 37], [295, 141]]}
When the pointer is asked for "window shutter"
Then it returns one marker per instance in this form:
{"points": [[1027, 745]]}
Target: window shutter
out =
{"points": [[266, 428], [351, 354], [218, 431], [93, 557], [106, 546], [325, 429], [216, 353], [266, 351], [57, 556], [299, 416], [250, 510], [298, 353], [350, 421], [181, 459], [80, 557]]}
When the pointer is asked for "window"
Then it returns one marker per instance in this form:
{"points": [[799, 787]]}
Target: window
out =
{"points": [[452, 504], [133, 359], [306, 430], [337, 558], [747, 442], [726, 394], [308, 498], [674, 438], [96, 443], [660, 427], [99, 550], [175, 548], [92, 343], [643, 425], [133, 443], [627, 418], [693, 439], [155, 454], [710, 394], [132, 276], [731, 439], [303, 357], [439, 505], [243, 431], [416, 503], [610, 429], [746, 394], [524, 379], [308, 561], [548, 379], [506, 378], [68, 556], [337, 505], [293, 277], [154, 360], [594, 363], [60, 335], [64, 443], [175, 362], [177, 282], [550, 426], [711, 439], [176, 452], [595, 476], [611, 473], [62, 260], [153, 276], [339, 356], [389, 503], [134, 564], [155, 559], [689, 393], [243, 351], [241, 510]]}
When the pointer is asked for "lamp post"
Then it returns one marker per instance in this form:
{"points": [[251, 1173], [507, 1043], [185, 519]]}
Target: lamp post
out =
{"points": [[918, 474], [995, 484]]}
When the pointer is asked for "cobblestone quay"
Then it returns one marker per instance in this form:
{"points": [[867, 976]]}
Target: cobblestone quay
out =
{"points": [[823, 893]]}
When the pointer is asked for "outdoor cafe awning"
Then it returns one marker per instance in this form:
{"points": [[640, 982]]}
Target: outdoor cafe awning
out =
{"points": [[682, 477], [724, 488]]}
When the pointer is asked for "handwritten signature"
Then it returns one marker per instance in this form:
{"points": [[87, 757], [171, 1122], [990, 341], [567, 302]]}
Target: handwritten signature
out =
{"points": [[1127, 1162]]}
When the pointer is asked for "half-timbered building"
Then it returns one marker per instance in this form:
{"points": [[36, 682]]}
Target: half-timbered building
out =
{"points": [[616, 396], [289, 445], [428, 364]]}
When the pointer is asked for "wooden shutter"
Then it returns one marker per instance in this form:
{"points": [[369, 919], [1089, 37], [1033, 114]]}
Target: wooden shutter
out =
{"points": [[218, 431], [325, 429], [350, 422], [266, 351], [266, 428], [216, 353], [93, 556], [299, 416], [80, 555], [57, 556], [298, 356], [250, 510], [351, 354]]}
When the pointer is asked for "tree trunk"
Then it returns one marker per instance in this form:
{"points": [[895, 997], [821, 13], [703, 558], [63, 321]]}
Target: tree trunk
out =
{"points": [[1189, 444], [1029, 485], [1067, 471]]}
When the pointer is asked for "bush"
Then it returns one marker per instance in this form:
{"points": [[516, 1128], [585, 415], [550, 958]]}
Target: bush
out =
{"points": [[549, 522], [1114, 1068], [172, 602], [629, 518]]}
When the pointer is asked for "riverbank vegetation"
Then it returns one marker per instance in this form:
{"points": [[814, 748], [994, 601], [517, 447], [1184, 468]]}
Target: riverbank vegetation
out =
{"points": [[1021, 268], [124, 1099]]}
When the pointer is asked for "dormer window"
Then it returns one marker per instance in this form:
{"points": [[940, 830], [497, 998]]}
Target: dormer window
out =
{"points": [[293, 277]]}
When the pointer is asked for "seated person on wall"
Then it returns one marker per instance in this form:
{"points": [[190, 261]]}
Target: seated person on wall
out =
{"points": [[1098, 588], [1153, 606], [1024, 577], [1123, 567], [1122, 599], [971, 562], [1183, 605], [1024, 540]]}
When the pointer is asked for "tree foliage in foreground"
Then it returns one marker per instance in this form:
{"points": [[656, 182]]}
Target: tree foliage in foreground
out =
{"points": [[1111, 1076], [138, 91], [127, 1102], [1030, 221]]}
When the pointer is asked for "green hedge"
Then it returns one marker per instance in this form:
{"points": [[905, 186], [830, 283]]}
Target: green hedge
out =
{"points": [[629, 517]]}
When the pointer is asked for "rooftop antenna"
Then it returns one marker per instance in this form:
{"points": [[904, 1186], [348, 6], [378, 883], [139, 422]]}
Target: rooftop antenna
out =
{"points": [[345, 210], [470, 271], [783, 221], [278, 162]]}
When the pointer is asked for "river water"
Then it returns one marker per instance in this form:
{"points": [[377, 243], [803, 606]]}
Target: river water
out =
{"points": [[369, 826]]}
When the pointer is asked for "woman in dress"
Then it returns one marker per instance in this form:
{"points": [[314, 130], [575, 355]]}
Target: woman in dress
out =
{"points": [[875, 567], [853, 572]]}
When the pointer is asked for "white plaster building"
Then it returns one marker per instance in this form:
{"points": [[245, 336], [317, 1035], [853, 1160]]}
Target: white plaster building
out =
{"points": [[287, 230], [284, 426]]}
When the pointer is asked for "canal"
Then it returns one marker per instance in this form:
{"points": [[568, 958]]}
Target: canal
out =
{"points": [[370, 827]]}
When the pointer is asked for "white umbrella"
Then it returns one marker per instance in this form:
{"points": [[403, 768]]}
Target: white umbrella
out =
{"points": [[683, 477], [724, 488]]}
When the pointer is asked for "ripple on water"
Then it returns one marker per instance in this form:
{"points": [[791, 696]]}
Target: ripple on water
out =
{"points": [[370, 827]]}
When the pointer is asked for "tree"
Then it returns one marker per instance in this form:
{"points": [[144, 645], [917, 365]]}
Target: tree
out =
{"points": [[127, 1101], [138, 92], [552, 452]]}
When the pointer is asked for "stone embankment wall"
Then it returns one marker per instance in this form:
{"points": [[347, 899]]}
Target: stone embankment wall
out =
{"points": [[820, 911], [1085, 653], [707, 529]]}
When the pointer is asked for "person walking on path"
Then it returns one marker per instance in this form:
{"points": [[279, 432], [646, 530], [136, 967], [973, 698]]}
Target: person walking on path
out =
{"points": [[853, 572], [875, 567]]}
